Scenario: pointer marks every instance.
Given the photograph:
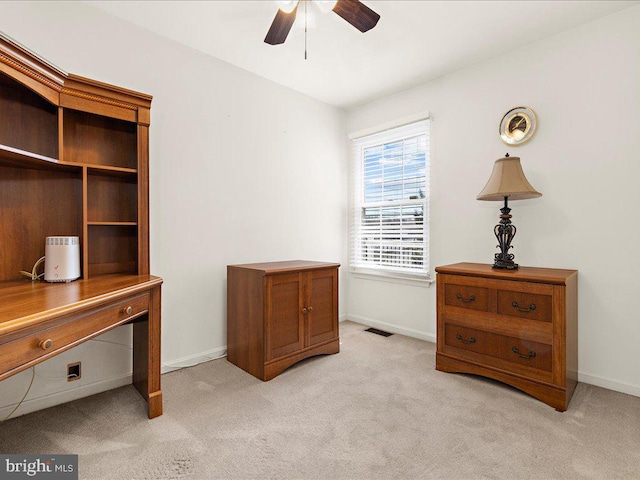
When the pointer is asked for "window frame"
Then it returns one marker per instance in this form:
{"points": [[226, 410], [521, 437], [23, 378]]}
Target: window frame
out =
{"points": [[383, 135]]}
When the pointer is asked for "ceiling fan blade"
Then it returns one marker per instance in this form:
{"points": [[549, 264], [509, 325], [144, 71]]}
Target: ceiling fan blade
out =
{"points": [[357, 14], [280, 27]]}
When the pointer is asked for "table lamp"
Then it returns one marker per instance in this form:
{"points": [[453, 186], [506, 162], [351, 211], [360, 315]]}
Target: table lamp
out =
{"points": [[507, 181]]}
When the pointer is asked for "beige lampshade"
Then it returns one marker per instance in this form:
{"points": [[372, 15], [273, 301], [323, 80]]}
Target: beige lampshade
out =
{"points": [[508, 180]]}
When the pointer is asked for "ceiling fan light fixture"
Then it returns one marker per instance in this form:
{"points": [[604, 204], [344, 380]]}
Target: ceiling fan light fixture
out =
{"points": [[287, 6], [353, 12], [325, 5]]}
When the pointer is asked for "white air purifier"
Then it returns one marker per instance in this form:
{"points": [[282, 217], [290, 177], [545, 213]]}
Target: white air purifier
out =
{"points": [[61, 259]]}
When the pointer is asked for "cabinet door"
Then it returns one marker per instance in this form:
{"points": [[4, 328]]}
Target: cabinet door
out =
{"points": [[284, 322], [322, 286]]}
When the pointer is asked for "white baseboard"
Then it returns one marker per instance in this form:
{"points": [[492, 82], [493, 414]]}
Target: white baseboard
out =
{"points": [[409, 332], [342, 317], [609, 384], [193, 360], [53, 399]]}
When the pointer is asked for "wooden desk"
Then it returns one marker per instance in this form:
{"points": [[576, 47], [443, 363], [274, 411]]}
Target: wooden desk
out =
{"points": [[40, 320]]}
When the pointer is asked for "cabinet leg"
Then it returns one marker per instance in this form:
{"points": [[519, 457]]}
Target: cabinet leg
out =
{"points": [[146, 356]]}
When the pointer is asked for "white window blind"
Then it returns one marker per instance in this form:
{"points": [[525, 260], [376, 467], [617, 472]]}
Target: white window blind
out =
{"points": [[390, 217]]}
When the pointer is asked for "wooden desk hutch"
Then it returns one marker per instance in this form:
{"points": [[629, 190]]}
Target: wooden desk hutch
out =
{"points": [[74, 160]]}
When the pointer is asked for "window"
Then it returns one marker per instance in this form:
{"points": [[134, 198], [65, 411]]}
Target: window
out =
{"points": [[390, 219]]}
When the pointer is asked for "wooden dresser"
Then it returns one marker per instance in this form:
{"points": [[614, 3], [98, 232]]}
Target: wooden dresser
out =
{"points": [[516, 326], [279, 313]]}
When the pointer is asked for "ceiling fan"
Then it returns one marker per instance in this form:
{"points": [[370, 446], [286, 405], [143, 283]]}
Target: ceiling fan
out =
{"points": [[353, 11]]}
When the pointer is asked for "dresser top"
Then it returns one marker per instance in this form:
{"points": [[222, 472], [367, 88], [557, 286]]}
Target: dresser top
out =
{"points": [[270, 268], [554, 276]]}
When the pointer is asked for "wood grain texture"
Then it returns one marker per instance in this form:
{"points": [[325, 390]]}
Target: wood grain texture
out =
{"points": [[84, 243], [35, 204], [111, 198], [102, 91], [147, 356], [35, 73], [552, 276], [280, 27], [91, 139], [279, 313], [499, 346], [322, 306], [112, 249], [21, 106], [279, 365], [571, 326], [466, 296], [144, 261], [58, 87], [66, 333], [357, 14], [74, 161], [525, 305], [72, 313], [531, 346], [26, 303], [273, 268], [284, 319], [246, 320], [547, 393]]}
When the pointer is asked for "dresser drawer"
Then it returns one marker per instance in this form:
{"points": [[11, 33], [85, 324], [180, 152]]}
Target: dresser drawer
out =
{"points": [[525, 305], [507, 350], [70, 331], [466, 296]]}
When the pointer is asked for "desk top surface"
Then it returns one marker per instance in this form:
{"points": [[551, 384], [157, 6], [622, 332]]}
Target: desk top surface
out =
{"points": [[24, 303]]}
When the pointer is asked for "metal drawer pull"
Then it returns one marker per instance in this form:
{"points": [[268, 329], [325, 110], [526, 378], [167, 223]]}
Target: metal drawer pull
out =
{"points": [[472, 298], [530, 309], [46, 344], [310, 309], [471, 340], [515, 350], [304, 309], [128, 310]]}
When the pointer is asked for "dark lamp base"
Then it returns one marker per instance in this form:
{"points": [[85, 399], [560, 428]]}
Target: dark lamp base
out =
{"points": [[505, 265], [504, 232]]}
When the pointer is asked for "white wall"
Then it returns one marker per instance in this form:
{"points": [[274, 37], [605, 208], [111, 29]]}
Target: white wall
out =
{"points": [[583, 84], [242, 170]]}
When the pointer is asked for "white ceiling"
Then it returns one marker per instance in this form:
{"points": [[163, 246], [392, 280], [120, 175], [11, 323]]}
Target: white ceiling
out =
{"points": [[414, 41]]}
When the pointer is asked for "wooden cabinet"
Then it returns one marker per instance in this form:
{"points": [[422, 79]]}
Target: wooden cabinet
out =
{"points": [[280, 313], [516, 326], [74, 161]]}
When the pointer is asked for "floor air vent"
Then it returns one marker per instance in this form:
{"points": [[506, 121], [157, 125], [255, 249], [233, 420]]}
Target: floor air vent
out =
{"points": [[379, 332]]}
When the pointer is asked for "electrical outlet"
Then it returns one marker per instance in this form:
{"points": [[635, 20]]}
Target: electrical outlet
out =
{"points": [[74, 372]]}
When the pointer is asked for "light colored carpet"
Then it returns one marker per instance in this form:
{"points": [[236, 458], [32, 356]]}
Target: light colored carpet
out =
{"points": [[377, 410]]}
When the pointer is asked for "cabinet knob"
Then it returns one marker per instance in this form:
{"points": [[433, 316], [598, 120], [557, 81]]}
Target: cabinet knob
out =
{"points": [[46, 344], [128, 310], [304, 309], [310, 309]]}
